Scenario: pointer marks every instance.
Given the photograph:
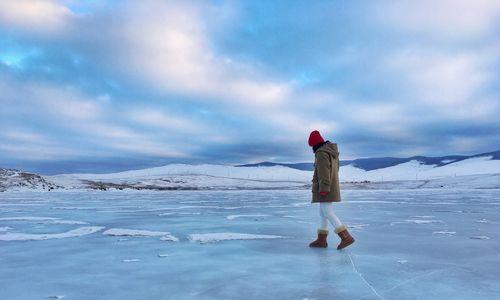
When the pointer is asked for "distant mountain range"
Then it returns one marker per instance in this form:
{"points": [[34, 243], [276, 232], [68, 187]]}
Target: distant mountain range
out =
{"points": [[369, 164], [474, 171]]}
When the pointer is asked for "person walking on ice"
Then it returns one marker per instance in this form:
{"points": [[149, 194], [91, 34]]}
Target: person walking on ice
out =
{"points": [[326, 190]]}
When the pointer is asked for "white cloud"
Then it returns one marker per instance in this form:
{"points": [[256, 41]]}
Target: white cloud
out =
{"points": [[159, 119], [88, 121], [23, 135], [443, 18], [385, 119], [34, 152], [166, 45], [22, 143], [65, 101], [453, 83], [35, 15], [166, 48]]}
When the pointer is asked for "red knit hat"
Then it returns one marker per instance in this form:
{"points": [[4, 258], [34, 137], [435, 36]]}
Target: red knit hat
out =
{"points": [[315, 138]]}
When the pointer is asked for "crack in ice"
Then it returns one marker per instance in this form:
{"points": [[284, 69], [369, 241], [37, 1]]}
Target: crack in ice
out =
{"points": [[363, 278]]}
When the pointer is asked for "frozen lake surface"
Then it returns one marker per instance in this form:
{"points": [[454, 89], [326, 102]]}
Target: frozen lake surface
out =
{"points": [[411, 244]]}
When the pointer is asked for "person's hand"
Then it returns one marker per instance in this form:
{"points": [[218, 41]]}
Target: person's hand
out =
{"points": [[323, 193]]}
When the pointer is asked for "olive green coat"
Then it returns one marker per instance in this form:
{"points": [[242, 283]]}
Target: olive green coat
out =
{"points": [[326, 174]]}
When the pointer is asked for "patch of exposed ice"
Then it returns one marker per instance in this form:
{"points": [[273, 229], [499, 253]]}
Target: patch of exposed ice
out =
{"points": [[48, 236], [232, 217], [165, 236], [204, 238], [445, 232], [480, 237]]}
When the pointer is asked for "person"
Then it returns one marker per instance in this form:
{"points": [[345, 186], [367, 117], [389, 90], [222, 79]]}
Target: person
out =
{"points": [[326, 190]]}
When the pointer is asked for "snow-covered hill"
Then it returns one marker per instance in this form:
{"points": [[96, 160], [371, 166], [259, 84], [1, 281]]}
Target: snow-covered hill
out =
{"points": [[206, 176], [477, 171], [15, 179], [374, 163], [415, 170], [183, 176]]}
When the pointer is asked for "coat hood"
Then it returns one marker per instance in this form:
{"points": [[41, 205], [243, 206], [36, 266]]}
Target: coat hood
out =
{"points": [[330, 148]]}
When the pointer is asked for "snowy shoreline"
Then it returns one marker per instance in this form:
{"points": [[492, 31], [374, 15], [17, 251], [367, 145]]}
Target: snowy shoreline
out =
{"points": [[477, 173]]}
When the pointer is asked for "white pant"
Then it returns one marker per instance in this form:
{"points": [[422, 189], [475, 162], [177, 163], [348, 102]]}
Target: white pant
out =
{"points": [[326, 213]]}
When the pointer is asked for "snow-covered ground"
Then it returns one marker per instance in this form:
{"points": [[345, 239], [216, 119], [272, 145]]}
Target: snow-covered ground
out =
{"points": [[193, 177], [179, 176], [225, 177], [411, 244], [414, 170], [407, 171]]}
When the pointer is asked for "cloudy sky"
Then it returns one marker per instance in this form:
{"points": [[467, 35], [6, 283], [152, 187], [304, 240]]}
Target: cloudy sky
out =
{"points": [[112, 85]]}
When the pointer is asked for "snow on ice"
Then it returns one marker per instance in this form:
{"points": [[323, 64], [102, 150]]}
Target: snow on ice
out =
{"points": [[12, 236], [165, 236], [204, 238], [232, 217], [5, 228]]}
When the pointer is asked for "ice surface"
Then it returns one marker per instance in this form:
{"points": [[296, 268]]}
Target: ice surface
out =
{"points": [[397, 254]]}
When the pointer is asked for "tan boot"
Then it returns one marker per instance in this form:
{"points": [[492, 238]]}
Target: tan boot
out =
{"points": [[346, 238], [320, 242]]}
